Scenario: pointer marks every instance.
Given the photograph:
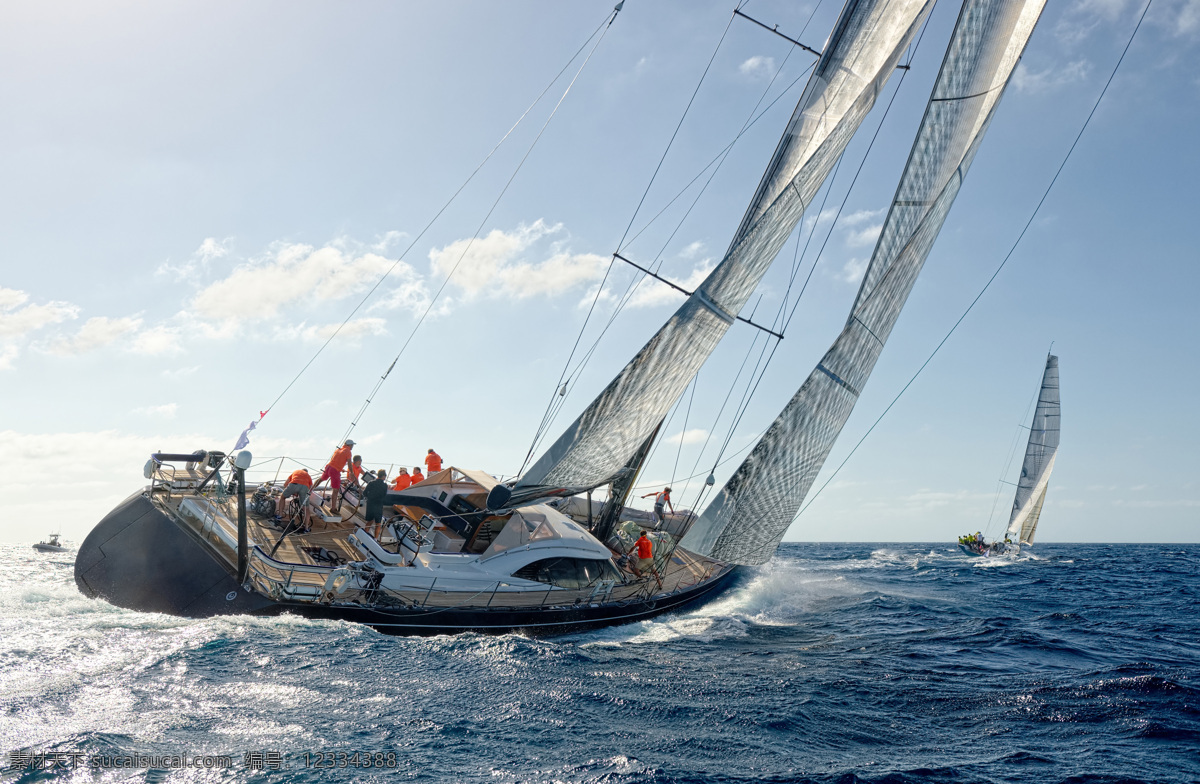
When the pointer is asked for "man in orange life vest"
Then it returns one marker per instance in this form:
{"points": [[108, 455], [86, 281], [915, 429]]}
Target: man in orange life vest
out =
{"points": [[298, 484], [402, 481], [354, 472], [338, 462], [645, 557], [659, 500], [417, 476], [433, 462]]}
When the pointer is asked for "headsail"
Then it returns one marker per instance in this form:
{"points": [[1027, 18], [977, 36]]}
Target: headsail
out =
{"points": [[1039, 459], [863, 50], [746, 521]]}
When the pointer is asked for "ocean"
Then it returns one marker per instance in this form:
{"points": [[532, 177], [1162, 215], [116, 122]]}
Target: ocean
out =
{"points": [[834, 663]]}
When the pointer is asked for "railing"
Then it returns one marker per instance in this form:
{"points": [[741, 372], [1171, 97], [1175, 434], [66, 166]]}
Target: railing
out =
{"points": [[295, 582]]}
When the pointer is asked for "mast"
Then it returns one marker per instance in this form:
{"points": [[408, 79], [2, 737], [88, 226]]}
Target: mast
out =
{"points": [[866, 45], [1039, 459], [749, 516]]}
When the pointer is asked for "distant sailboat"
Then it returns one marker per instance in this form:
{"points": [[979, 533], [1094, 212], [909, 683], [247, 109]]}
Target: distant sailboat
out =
{"points": [[1035, 474]]}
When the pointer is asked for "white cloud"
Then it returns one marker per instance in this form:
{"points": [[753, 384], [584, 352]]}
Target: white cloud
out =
{"points": [[412, 296], [853, 270], [861, 216], [652, 293], [1109, 10], [16, 321], [291, 274], [1052, 78], [686, 437], [1189, 18], [199, 261], [319, 333], [388, 241], [97, 332], [11, 298], [180, 373], [864, 236], [492, 266], [158, 340], [758, 67], [695, 249], [165, 411], [7, 355]]}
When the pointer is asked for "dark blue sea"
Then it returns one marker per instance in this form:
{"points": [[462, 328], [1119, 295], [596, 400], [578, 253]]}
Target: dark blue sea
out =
{"points": [[834, 663]]}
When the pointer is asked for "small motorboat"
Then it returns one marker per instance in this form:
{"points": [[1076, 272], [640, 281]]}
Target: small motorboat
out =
{"points": [[51, 546]]}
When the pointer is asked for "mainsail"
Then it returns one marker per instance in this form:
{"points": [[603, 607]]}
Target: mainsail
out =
{"points": [[866, 45], [1039, 459], [748, 518]]}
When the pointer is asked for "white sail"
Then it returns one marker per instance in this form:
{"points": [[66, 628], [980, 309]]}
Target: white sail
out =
{"points": [[866, 45], [746, 521], [1039, 459]]}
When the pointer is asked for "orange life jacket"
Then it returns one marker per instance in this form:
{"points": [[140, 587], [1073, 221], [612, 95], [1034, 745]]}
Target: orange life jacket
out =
{"points": [[433, 462], [300, 477], [645, 548], [417, 476], [340, 458], [401, 482]]}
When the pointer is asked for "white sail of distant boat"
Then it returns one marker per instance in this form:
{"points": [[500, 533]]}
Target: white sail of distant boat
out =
{"points": [[864, 48], [746, 521], [1039, 460]]}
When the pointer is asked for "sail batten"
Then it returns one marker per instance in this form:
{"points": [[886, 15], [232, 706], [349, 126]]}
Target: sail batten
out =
{"points": [[1040, 452], [864, 49], [746, 521]]}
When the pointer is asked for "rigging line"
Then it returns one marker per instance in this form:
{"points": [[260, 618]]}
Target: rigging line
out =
{"points": [[437, 215], [723, 153], [433, 220], [1007, 256], [750, 118], [566, 365], [486, 217], [679, 125], [684, 430], [717, 160], [1012, 452], [559, 394], [558, 397], [758, 363], [797, 255], [746, 400], [743, 406]]}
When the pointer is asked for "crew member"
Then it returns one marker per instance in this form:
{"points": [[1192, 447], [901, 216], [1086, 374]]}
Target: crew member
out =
{"points": [[645, 557], [417, 476], [374, 493], [299, 484], [433, 462], [660, 500], [402, 481], [338, 462], [354, 471]]}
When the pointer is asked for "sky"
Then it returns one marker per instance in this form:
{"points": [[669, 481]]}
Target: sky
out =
{"points": [[194, 196]]}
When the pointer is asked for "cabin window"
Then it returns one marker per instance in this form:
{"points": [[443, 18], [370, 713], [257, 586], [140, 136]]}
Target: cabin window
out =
{"points": [[569, 572], [460, 505]]}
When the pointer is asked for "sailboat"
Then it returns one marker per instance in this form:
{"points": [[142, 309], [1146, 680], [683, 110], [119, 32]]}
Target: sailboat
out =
{"points": [[463, 551], [1040, 452]]}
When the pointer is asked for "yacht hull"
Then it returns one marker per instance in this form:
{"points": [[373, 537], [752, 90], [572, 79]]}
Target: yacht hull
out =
{"points": [[139, 558]]}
